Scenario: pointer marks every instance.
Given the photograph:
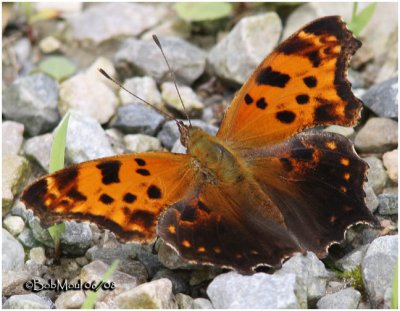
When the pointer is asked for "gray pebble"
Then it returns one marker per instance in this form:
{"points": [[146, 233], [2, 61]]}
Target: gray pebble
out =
{"points": [[201, 303], [30, 301], [13, 253], [382, 98], [179, 283], [348, 298], [141, 143], [187, 60], [353, 259], [183, 301], [377, 135], [32, 100], [76, 238], [137, 118], [378, 268], [377, 176], [143, 87], [70, 300], [236, 56], [39, 148], [388, 203], [232, 290], [12, 137]]}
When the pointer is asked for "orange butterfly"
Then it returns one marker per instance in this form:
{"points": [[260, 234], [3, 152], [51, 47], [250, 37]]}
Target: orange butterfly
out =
{"points": [[255, 193]]}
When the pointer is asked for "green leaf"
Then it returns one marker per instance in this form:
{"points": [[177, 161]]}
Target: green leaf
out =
{"points": [[395, 287], [55, 232], [58, 67], [58, 147], [361, 20], [92, 296], [203, 11]]}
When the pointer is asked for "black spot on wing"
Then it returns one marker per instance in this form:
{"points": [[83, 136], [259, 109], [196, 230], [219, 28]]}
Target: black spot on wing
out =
{"points": [[303, 154], [314, 58], [188, 214], [76, 195], [286, 116], [143, 172], [302, 99], [106, 199], [34, 194], [287, 165], [310, 81], [140, 162], [248, 100], [325, 112], [267, 76], [261, 103], [129, 197], [109, 171], [154, 192], [204, 207]]}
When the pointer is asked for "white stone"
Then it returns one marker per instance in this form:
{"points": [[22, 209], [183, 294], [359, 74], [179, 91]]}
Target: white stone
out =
{"points": [[347, 298], [14, 224], [141, 143], [12, 134], [49, 45], [143, 87], [390, 161], [70, 300]]}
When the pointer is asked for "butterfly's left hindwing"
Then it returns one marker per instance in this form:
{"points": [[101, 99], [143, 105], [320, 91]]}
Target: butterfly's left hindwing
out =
{"points": [[124, 194]]}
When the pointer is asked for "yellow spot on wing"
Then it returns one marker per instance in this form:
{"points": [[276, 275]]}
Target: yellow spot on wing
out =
{"points": [[172, 229], [201, 249], [346, 176], [345, 161], [217, 250], [186, 243], [331, 145]]}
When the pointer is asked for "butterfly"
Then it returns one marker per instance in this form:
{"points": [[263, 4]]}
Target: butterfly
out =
{"points": [[259, 191]]}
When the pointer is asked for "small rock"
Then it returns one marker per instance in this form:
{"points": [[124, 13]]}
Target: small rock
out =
{"points": [[15, 172], [36, 269], [107, 65], [382, 98], [347, 298], [378, 268], [39, 233], [70, 300], [125, 253], [137, 118], [107, 21], [334, 287], [179, 284], [193, 106], [170, 132], [82, 132], [30, 301], [141, 143], [187, 60], [22, 50], [49, 45], [143, 87], [19, 209], [342, 130], [12, 137], [205, 273], [377, 135], [39, 148], [14, 224], [32, 101], [153, 295], [388, 204], [123, 282], [201, 303], [13, 281], [310, 272], [170, 259], [390, 162], [371, 200], [178, 147], [377, 175], [150, 261], [13, 253], [183, 301], [88, 95], [116, 139], [76, 238], [353, 259], [27, 239], [37, 255], [232, 291], [172, 27], [236, 56]]}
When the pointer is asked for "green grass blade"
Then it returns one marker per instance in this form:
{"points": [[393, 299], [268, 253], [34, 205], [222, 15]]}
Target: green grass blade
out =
{"points": [[395, 287], [92, 296], [358, 23], [354, 13], [58, 147]]}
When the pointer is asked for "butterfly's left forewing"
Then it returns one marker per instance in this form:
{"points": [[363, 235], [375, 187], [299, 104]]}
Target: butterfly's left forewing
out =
{"points": [[124, 194]]}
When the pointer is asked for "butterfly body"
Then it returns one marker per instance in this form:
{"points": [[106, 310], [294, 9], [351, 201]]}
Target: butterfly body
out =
{"points": [[254, 194]]}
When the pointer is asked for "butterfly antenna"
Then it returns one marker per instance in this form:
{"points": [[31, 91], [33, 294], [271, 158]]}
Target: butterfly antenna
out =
{"points": [[105, 74], [173, 77]]}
